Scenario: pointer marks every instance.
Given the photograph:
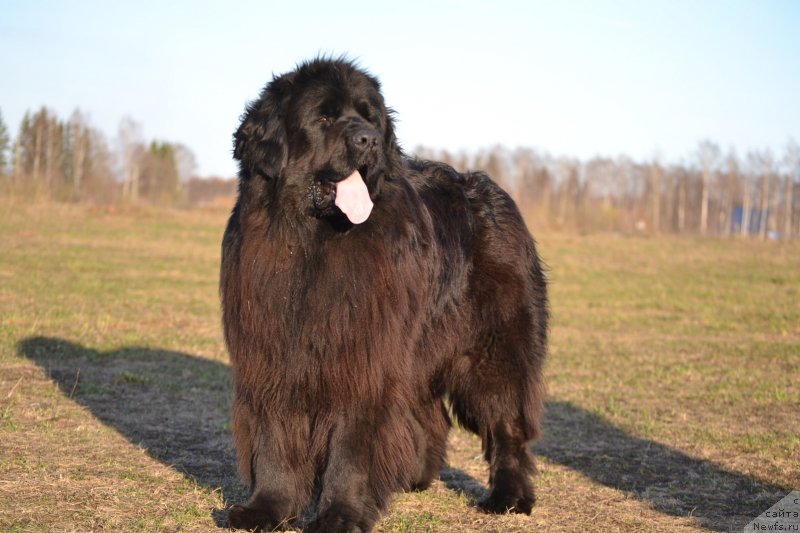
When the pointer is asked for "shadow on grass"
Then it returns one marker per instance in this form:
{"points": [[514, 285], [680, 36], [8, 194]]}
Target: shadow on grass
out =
{"points": [[463, 484], [673, 482], [176, 406], [669, 480]]}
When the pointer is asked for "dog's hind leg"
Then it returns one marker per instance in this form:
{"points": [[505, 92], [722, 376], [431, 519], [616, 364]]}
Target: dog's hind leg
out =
{"points": [[505, 442], [511, 467], [497, 393]]}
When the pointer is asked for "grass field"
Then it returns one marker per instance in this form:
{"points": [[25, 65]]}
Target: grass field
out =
{"points": [[674, 381]]}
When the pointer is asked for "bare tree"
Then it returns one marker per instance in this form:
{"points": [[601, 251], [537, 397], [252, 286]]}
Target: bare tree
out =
{"points": [[131, 148], [708, 154], [670, 188], [730, 184], [683, 197], [78, 140], [749, 177], [158, 180], [656, 173], [623, 188], [495, 164], [525, 166], [792, 164], [100, 177], [18, 174], [185, 161], [50, 144], [37, 150], [767, 170], [5, 143], [602, 193], [89, 162], [568, 185], [39, 153]]}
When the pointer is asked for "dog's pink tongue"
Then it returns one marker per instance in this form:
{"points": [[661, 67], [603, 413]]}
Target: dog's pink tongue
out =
{"points": [[353, 198]]}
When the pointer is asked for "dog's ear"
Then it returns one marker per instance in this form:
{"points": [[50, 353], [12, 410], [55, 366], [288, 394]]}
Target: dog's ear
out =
{"points": [[260, 143]]}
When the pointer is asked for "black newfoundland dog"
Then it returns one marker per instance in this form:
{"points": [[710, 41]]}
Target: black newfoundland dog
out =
{"points": [[365, 293]]}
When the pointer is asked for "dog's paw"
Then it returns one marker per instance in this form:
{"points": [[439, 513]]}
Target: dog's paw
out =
{"points": [[511, 493], [507, 503], [241, 517], [338, 519]]}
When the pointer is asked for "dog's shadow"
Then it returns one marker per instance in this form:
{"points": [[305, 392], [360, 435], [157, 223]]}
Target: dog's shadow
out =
{"points": [[177, 407], [173, 405], [671, 481]]}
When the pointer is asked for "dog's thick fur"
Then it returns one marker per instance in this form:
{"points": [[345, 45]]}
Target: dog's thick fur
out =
{"points": [[347, 341]]}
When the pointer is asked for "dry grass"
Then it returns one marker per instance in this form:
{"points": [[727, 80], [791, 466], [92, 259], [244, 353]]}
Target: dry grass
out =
{"points": [[673, 380]]}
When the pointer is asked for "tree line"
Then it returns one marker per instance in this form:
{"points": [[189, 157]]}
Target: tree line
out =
{"points": [[69, 160], [710, 192]]}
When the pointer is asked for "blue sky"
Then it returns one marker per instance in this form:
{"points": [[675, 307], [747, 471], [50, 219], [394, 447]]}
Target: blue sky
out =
{"points": [[575, 78]]}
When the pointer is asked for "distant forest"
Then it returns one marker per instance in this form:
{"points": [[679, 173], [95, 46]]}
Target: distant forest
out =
{"points": [[71, 161], [711, 192]]}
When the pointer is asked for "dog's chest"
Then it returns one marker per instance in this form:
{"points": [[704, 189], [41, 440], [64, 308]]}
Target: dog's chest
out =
{"points": [[321, 297]]}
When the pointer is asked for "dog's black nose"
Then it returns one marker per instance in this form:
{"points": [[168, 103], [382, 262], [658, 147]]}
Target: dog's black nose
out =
{"points": [[364, 138]]}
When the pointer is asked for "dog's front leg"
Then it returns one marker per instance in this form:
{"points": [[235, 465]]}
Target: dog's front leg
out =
{"points": [[371, 455]]}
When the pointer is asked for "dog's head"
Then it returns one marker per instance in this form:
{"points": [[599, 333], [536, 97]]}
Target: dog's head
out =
{"points": [[314, 132]]}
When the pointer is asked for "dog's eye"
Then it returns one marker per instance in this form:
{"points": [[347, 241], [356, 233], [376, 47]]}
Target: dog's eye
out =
{"points": [[324, 119]]}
